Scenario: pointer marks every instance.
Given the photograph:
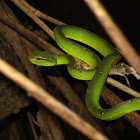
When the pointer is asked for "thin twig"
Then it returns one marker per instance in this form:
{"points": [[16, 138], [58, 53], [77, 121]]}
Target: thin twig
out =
{"points": [[115, 33], [30, 118], [51, 130], [29, 35], [34, 18], [122, 87], [41, 15], [50, 102]]}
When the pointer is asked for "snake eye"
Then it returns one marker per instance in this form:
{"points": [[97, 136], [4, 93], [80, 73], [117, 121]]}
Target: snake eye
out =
{"points": [[38, 57]]}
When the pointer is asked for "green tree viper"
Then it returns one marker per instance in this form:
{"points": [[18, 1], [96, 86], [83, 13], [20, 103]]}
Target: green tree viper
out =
{"points": [[65, 36]]}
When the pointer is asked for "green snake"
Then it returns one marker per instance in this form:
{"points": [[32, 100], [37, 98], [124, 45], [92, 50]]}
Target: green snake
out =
{"points": [[68, 39]]}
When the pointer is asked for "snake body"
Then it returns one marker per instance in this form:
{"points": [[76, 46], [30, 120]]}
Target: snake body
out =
{"points": [[65, 36]]}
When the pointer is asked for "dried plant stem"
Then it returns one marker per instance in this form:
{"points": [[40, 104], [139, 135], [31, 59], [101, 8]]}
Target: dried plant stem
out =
{"points": [[122, 87], [41, 15], [30, 118], [29, 35], [117, 36], [50, 102], [49, 125], [34, 18]]}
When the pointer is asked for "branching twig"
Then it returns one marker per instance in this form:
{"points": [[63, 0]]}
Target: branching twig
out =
{"points": [[117, 36]]}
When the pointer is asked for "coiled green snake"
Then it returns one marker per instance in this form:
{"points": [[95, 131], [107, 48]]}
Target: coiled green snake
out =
{"points": [[98, 72]]}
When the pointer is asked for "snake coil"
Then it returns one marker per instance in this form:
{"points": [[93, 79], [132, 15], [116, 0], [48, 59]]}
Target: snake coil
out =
{"points": [[97, 74]]}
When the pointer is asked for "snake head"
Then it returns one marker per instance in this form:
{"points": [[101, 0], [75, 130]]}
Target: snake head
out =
{"points": [[42, 58]]}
